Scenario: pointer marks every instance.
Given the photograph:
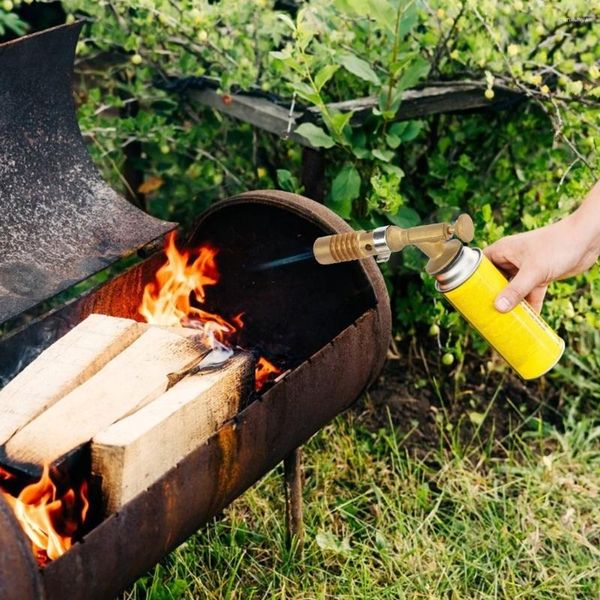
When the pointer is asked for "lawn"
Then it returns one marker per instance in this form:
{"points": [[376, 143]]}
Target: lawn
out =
{"points": [[499, 499]]}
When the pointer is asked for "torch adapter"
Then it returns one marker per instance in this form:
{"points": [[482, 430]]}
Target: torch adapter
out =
{"points": [[434, 240]]}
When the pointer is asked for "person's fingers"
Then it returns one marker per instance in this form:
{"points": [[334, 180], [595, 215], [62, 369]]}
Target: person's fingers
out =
{"points": [[499, 253], [523, 283], [536, 297]]}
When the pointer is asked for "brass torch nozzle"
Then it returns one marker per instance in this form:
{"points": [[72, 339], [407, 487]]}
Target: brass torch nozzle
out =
{"points": [[434, 240]]}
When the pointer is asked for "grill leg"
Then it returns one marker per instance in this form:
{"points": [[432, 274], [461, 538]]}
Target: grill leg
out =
{"points": [[294, 482]]}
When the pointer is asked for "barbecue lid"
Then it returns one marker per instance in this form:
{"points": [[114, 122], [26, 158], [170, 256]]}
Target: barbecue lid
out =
{"points": [[59, 221]]}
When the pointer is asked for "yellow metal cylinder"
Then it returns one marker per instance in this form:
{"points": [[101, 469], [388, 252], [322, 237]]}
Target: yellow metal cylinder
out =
{"points": [[521, 336]]}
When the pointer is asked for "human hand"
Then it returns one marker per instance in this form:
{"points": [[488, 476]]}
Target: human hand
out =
{"points": [[535, 258]]}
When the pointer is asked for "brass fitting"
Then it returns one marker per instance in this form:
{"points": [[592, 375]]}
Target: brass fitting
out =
{"points": [[434, 240]]}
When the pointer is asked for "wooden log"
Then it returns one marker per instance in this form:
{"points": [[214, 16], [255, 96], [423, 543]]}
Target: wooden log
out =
{"points": [[61, 368], [131, 380], [136, 451]]}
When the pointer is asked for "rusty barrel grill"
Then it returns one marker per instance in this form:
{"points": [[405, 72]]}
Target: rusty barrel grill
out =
{"points": [[61, 223]]}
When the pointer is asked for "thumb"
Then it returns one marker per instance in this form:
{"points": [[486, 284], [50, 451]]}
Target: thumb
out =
{"points": [[520, 287]]}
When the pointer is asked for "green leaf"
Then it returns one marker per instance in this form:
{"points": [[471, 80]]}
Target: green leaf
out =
{"points": [[287, 20], [416, 71], [384, 155], [380, 541], [387, 105], [287, 181], [326, 540], [281, 54], [359, 7], [413, 259], [464, 160], [358, 143], [383, 12], [476, 418], [315, 135], [408, 20], [393, 170], [411, 130], [361, 152], [307, 93], [486, 212], [324, 75], [405, 217], [401, 63], [344, 190], [398, 128], [359, 67], [393, 141], [340, 120], [12, 21]]}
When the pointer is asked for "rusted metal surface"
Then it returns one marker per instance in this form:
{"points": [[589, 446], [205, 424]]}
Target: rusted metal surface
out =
{"points": [[60, 222], [119, 297], [19, 575], [292, 311], [294, 507], [320, 300], [155, 522], [339, 319]]}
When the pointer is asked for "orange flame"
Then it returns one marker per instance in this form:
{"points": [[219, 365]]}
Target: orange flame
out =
{"points": [[5, 475], [50, 520], [180, 286], [265, 370]]}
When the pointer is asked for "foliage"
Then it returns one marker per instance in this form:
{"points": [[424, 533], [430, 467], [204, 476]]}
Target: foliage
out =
{"points": [[9, 20], [512, 169]]}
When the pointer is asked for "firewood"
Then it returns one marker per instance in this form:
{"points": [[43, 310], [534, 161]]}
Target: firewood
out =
{"points": [[137, 450], [66, 364], [129, 381]]}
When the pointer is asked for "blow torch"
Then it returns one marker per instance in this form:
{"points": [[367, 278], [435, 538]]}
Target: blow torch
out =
{"points": [[466, 278]]}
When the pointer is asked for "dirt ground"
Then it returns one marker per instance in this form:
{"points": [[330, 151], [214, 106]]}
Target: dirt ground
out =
{"points": [[428, 401]]}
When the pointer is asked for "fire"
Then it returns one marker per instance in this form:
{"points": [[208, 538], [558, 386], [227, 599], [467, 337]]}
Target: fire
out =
{"points": [[179, 289], [5, 475], [264, 371], [50, 519]]}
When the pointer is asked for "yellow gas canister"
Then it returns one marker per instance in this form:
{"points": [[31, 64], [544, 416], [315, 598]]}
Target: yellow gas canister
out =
{"points": [[471, 284]]}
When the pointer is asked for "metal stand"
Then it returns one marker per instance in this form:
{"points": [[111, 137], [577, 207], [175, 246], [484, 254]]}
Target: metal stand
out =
{"points": [[294, 482]]}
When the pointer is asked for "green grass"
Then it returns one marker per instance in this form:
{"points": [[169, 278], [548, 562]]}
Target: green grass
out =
{"points": [[511, 518]]}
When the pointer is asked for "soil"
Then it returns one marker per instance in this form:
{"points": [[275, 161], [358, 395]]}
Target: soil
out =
{"points": [[429, 403]]}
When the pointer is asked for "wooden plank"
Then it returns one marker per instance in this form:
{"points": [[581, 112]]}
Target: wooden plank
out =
{"points": [[69, 362], [136, 451], [435, 98], [260, 112], [448, 97], [131, 380]]}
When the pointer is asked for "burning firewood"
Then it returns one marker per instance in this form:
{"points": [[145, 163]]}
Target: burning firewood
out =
{"points": [[134, 452], [129, 381], [142, 393], [69, 362]]}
